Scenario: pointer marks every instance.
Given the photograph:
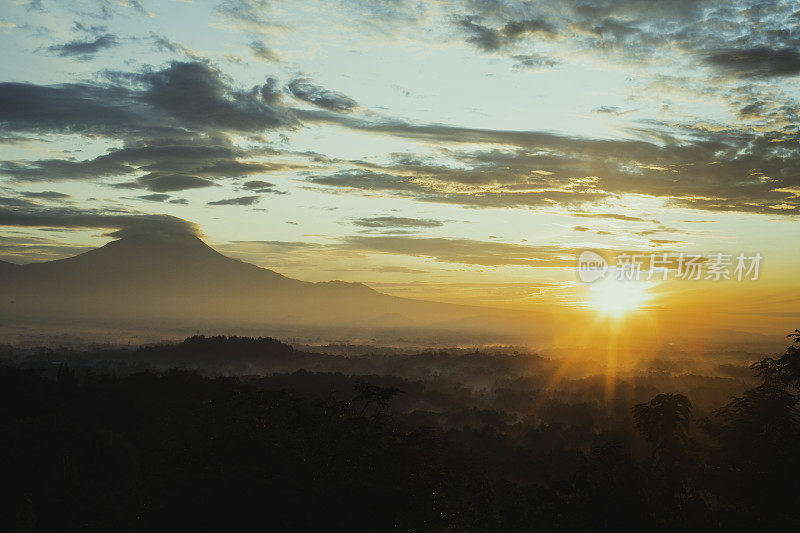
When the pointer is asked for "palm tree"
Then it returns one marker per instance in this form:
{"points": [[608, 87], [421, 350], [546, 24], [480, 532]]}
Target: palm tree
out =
{"points": [[664, 422]]}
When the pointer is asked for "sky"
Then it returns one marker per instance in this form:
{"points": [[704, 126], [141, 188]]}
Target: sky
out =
{"points": [[459, 151]]}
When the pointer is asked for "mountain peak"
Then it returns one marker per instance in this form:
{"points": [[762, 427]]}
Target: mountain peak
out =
{"points": [[172, 240], [173, 278]]}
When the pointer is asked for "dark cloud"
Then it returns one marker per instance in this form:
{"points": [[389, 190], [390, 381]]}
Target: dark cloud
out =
{"points": [[122, 224], [490, 39], [643, 30], [261, 187], [200, 96], [72, 108], [397, 222], [303, 89], [262, 52], [517, 29], [242, 200], [759, 62], [484, 38], [158, 166], [258, 185], [175, 101], [734, 170], [155, 197], [172, 182], [15, 202], [85, 50], [46, 195]]}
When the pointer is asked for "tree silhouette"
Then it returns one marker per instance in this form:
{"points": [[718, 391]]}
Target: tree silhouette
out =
{"points": [[755, 460], [764, 420], [664, 422], [143, 449], [374, 395], [66, 376], [784, 371]]}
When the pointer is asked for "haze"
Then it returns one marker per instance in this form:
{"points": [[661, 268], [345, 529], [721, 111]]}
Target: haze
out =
{"points": [[462, 153]]}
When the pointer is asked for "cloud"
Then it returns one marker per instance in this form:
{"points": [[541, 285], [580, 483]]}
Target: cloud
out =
{"points": [[197, 94], [21, 248], [533, 61], [516, 29], [262, 52], [615, 216], [608, 110], [248, 15], [487, 39], [36, 5], [169, 182], [397, 222], [191, 96], [487, 187], [636, 32], [71, 107], [242, 200], [162, 43], [758, 62], [46, 195], [465, 251], [15, 202], [657, 242], [732, 170], [122, 224], [399, 270], [447, 250], [261, 187], [256, 185], [84, 50], [155, 197], [303, 89], [484, 38], [159, 166]]}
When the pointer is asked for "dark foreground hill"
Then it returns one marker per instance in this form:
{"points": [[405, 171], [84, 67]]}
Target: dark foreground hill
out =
{"points": [[174, 451]]}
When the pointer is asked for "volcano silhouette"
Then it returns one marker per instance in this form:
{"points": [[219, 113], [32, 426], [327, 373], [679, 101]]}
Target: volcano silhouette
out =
{"points": [[176, 279]]}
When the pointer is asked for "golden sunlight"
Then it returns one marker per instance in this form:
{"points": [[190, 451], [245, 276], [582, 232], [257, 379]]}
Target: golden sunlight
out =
{"points": [[616, 298]]}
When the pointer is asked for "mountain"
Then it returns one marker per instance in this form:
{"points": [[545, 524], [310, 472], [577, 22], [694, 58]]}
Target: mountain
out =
{"points": [[178, 280], [7, 267]]}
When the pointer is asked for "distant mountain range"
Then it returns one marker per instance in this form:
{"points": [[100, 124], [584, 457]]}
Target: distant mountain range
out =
{"points": [[178, 280]]}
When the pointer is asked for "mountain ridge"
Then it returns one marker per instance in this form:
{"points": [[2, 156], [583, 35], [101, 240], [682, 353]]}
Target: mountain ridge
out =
{"points": [[181, 279]]}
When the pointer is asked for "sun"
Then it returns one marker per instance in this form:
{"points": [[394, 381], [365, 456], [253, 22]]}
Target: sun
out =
{"points": [[617, 298]]}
